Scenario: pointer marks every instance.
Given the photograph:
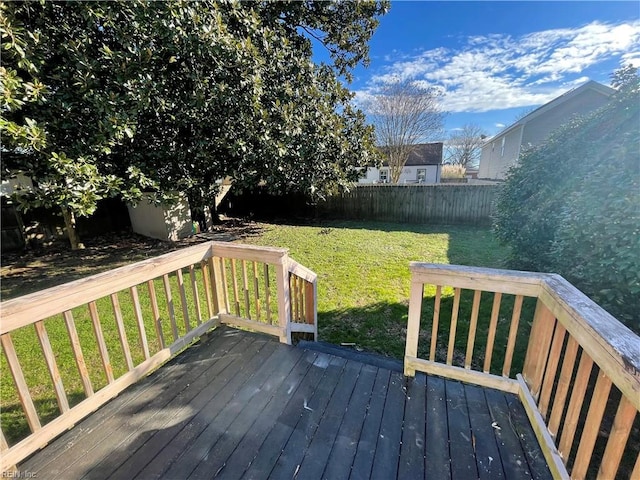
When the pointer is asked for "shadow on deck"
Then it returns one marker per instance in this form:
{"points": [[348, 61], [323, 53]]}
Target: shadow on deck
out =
{"points": [[242, 405]]}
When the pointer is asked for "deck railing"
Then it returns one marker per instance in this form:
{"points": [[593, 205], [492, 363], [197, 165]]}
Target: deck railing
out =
{"points": [[120, 325], [580, 367]]}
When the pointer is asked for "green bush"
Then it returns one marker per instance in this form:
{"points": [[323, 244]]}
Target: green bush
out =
{"points": [[572, 205]]}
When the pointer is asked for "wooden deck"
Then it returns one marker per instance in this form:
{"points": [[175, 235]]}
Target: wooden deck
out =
{"points": [[242, 405]]}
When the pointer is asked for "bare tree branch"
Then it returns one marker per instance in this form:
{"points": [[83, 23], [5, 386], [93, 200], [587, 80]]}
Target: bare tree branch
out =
{"points": [[404, 114], [465, 146]]}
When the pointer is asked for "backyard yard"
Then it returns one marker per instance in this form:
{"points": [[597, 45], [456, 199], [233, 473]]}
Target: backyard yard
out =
{"points": [[363, 272], [363, 268], [363, 291]]}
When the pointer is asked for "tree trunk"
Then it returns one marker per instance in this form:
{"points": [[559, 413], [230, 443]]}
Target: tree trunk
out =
{"points": [[70, 223], [213, 217]]}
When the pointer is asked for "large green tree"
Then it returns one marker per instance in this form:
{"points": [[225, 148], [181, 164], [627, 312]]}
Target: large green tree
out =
{"points": [[176, 95], [572, 204]]}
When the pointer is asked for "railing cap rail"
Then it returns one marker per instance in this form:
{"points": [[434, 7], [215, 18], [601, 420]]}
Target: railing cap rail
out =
{"points": [[477, 278], [35, 306], [30, 308], [479, 271], [240, 251], [609, 329]]}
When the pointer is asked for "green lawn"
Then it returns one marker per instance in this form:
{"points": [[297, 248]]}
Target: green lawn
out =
{"points": [[363, 273], [363, 292]]}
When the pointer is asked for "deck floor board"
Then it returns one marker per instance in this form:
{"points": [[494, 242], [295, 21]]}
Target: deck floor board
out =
{"points": [[411, 463], [344, 448], [366, 444], [241, 405], [437, 457], [461, 439]]}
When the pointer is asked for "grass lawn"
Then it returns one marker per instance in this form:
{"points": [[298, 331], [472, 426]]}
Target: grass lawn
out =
{"points": [[363, 272], [363, 293]]}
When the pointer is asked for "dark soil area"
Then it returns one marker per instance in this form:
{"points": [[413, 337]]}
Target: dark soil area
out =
{"points": [[36, 269]]}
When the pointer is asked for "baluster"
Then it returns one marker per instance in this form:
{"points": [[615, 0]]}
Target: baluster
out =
{"points": [[592, 426], [537, 350], [256, 291], [77, 353], [491, 334], [157, 320], [183, 301], [21, 385], [194, 290], [552, 368], [102, 346], [564, 382], [618, 437], [235, 286], [575, 405], [454, 324], [204, 268], [434, 327], [170, 307], [133, 291], [245, 286], [513, 333], [115, 303], [267, 294], [472, 329]]}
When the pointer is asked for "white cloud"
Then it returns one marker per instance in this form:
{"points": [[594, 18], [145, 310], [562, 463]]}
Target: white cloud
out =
{"points": [[491, 72], [500, 125], [632, 58]]}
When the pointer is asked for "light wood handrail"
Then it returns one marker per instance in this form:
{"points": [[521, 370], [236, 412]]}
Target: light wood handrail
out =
{"points": [[37, 308], [562, 312]]}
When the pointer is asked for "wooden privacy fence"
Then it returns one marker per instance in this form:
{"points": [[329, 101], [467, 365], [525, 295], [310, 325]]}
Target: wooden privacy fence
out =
{"points": [[120, 325], [580, 377], [441, 204]]}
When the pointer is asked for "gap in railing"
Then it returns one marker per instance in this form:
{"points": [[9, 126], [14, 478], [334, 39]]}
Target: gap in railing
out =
{"points": [[483, 327]]}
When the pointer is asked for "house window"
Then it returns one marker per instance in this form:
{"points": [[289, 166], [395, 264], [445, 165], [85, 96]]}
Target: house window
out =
{"points": [[502, 148], [384, 176], [422, 175]]}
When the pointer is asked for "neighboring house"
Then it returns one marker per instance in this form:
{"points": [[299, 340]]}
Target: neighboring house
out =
{"points": [[424, 165], [501, 152]]}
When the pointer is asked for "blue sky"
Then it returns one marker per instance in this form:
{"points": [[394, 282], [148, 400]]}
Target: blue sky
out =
{"points": [[495, 60]]}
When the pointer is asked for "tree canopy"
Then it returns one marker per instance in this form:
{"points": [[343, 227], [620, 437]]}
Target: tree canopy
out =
{"points": [[572, 204], [175, 95]]}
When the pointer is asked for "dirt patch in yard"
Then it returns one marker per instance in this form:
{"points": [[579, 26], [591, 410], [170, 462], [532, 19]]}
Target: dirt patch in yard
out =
{"points": [[33, 270]]}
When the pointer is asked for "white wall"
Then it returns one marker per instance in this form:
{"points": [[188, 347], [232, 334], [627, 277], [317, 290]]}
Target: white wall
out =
{"points": [[168, 222], [496, 159], [408, 175]]}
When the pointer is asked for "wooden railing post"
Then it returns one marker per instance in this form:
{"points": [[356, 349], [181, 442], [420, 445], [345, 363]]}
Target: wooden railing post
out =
{"points": [[218, 286], [413, 326], [538, 348], [284, 298], [311, 306]]}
